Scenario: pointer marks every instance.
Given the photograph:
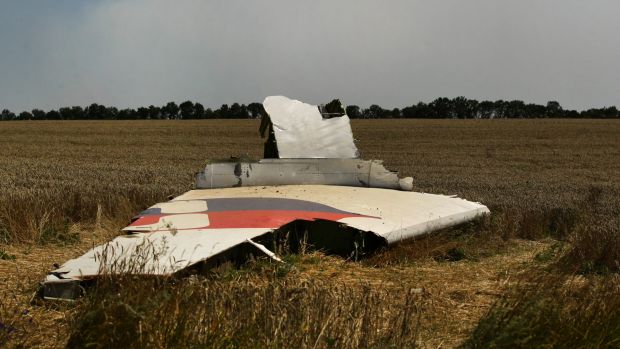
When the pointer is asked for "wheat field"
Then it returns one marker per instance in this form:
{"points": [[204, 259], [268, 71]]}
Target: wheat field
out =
{"points": [[552, 187]]}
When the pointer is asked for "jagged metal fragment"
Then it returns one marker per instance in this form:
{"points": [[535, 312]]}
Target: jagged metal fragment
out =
{"points": [[301, 132]]}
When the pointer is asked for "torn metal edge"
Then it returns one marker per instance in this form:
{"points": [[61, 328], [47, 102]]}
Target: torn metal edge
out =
{"points": [[71, 288]]}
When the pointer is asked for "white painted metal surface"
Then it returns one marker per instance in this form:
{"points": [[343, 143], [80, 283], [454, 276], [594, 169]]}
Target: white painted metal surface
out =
{"points": [[393, 215], [200, 224], [301, 132], [344, 172]]}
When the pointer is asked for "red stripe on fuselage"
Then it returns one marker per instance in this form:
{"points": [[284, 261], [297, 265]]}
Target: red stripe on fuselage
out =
{"points": [[251, 219], [268, 219]]}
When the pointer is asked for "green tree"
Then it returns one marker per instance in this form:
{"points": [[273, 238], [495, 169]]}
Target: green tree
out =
{"points": [[554, 109], [96, 112], [463, 108], [222, 113], [515, 109], [24, 116], [77, 113], [65, 113], [256, 110], [535, 111], [238, 111], [154, 112], [186, 110], [442, 108], [332, 109], [375, 112], [353, 111], [170, 111], [610, 112], [53, 115], [111, 113], [38, 114], [127, 114], [424, 111], [199, 111], [501, 107], [142, 113], [485, 110], [395, 114]]}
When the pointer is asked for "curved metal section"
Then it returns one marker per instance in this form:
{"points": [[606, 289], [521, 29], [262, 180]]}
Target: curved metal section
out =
{"points": [[266, 172]]}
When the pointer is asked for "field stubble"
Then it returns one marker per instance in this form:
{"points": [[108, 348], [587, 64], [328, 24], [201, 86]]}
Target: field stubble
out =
{"points": [[554, 183]]}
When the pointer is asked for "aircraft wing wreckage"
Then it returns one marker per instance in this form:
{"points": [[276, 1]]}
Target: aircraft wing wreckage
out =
{"points": [[312, 188]]}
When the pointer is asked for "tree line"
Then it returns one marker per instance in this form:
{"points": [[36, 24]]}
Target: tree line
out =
{"points": [[440, 108]]}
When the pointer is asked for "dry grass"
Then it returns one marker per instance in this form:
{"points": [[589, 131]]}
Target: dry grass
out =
{"points": [[58, 173], [270, 312], [548, 311], [551, 185]]}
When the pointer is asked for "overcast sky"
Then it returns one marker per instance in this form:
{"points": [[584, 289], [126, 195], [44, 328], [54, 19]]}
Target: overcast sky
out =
{"points": [[394, 53]]}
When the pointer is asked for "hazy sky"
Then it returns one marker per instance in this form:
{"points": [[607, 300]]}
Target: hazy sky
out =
{"points": [[394, 53]]}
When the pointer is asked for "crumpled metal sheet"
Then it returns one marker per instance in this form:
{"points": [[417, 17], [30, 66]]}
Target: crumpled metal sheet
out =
{"points": [[346, 172], [302, 132], [201, 224]]}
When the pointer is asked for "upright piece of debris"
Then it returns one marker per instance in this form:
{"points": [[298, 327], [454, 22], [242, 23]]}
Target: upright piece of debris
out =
{"points": [[302, 132]]}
